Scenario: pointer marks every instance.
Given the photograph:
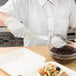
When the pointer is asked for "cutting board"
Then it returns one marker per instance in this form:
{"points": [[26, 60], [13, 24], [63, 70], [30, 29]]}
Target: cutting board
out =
{"points": [[21, 62]]}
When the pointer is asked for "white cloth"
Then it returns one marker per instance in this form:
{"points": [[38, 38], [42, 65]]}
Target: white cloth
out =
{"points": [[40, 17], [58, 42]]}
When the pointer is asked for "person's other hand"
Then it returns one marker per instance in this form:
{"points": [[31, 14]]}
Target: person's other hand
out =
{"points": [[73, 44], [3, 18]]}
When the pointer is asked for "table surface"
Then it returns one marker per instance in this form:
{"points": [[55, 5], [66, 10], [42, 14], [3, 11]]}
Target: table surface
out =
{"points": [[42, 50]]}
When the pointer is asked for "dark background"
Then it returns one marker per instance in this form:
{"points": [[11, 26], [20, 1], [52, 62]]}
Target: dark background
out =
{"points": [[2, 2]]}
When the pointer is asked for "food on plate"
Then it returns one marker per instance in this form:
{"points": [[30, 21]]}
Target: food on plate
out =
{"points": [[65, 50], [51, 70]]}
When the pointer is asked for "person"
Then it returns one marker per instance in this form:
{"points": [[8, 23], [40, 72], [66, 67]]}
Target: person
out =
{"points": [[33, 19]]}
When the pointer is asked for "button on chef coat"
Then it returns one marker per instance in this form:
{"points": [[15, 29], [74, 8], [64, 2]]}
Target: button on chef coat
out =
{"points": [[39, 17]]}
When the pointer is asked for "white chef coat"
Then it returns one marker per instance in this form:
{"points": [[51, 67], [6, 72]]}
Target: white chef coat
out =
{"points": [[39, 17]]}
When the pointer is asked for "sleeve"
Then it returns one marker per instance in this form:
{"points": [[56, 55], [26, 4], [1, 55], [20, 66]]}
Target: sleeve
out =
{"points": [[17, 28], [73, 14], [14, 24]]}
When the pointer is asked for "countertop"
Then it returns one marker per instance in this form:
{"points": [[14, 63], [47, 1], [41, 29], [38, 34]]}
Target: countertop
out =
{"points": [[42, 50]]}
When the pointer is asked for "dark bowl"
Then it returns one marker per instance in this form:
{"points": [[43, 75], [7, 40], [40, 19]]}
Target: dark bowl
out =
{"points": [[64, 53]]}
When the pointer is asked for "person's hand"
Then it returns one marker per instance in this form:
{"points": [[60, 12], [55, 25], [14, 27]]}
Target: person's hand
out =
{"points": [[73, 44], [3, 18]]}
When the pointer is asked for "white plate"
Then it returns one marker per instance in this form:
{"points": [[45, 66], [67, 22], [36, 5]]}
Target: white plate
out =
{"points": [[67, 70]]}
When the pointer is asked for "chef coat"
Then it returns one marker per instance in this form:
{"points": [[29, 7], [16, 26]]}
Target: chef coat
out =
{"points": [[29, 18]]}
